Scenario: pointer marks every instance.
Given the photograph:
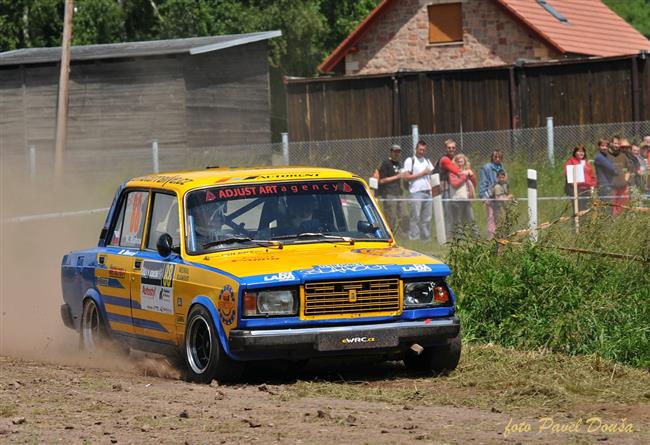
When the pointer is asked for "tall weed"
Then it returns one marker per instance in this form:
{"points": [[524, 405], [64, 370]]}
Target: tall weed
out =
{"points": [[533, 295]]}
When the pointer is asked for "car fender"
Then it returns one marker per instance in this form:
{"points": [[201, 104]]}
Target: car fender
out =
{"points": [[94, 295], [209, 305]]}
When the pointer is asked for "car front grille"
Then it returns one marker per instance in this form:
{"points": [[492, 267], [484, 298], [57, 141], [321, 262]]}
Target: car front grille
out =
{"points": [[347, 298]]}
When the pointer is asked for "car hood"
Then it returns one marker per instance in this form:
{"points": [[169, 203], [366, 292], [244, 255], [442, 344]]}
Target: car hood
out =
{"points": [[300, 263]]}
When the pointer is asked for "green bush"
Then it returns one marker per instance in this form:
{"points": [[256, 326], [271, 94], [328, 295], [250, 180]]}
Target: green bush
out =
{"points": [[534, 295]]}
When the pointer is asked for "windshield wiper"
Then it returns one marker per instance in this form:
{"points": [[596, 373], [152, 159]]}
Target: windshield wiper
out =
{"points": [[310, 235], [241, 239]]}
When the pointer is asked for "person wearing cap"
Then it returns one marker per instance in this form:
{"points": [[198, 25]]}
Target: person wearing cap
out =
{"points": [[390, 188]]}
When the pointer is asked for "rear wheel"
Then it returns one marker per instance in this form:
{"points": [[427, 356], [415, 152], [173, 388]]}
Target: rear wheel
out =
{"points": [[93, 332], [204, 356], [438, 359]]}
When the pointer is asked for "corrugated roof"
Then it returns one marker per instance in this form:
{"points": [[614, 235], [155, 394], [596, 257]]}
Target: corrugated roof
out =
{"points": [[194, 45], [591, 28]]}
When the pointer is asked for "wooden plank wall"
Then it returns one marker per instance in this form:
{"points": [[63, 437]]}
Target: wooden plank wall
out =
{"points": [[227, 96], [573, 92], [187, 103]]}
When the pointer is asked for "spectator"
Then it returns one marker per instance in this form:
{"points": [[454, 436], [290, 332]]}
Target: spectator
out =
{"points": [[620, 182], [487, 182], [501, 196], [587, 186], [641, 169], [605, 172], [645, 146], [417, 170], [445, 166], [462, 188], [390, 189]]}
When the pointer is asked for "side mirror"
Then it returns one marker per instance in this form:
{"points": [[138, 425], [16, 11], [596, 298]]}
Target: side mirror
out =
{"points": [[165, 245], [365, 227]]}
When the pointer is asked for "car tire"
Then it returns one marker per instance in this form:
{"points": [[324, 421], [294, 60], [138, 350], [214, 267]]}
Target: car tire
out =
{"points": [[92, 334], [204, 356], [439, 359]]}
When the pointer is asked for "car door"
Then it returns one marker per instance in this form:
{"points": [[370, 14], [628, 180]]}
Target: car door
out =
{"points": [[152, 286], [117, 260]]}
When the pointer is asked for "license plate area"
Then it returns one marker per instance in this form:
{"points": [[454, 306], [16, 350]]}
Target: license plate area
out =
{"points": [[341, 341]]}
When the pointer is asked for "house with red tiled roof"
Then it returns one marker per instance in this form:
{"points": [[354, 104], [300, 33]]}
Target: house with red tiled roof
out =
{"points": [[426, 35]]}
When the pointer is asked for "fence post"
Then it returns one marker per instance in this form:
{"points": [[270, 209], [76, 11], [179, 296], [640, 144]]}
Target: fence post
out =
{"points": [[285, 148], [32, 162], [154, 155], [415, 136], [532, 203], [438, 214], [550, 140]]}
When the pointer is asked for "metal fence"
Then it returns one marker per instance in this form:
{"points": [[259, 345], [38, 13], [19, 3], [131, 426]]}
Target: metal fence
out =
{"points": [[91, 176], [541, 147]]}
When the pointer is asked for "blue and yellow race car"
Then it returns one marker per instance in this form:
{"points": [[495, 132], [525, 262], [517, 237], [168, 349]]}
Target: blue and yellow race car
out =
{"points": [[224, 266]]}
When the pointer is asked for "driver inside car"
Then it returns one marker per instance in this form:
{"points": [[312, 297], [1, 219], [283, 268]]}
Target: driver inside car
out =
{"points": [[300, 216], [207, 219]]}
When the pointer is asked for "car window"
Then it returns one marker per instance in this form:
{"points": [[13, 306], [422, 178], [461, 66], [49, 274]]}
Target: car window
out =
{"points": [[164, 219], [130, 223], [248, 213]]}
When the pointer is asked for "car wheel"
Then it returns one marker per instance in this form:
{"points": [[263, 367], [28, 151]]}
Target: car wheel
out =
{"points": [[93, 331], [204, 357], [438, 359]]}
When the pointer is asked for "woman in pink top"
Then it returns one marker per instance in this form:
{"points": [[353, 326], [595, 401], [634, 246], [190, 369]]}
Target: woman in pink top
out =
{"points": [[462, 188], [586, 187]]}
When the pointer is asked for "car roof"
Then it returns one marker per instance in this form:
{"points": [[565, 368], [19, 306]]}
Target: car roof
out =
{"points": [[187, 180]]}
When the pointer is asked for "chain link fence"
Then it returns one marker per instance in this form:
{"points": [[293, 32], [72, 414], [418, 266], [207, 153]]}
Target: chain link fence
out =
{"points": [[537, 148], [530, 145]]}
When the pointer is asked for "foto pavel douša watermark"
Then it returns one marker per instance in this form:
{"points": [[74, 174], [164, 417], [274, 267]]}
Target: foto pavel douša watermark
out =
{"points": [[591, 425]]}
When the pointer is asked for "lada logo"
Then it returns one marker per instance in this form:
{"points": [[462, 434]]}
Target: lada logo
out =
{"points": [[352, 296]]}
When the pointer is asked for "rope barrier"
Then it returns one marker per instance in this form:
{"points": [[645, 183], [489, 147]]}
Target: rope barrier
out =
{"points": [[504, 242]]}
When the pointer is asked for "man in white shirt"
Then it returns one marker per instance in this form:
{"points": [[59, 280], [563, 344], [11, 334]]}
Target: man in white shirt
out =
{"points": [[417, 170]]}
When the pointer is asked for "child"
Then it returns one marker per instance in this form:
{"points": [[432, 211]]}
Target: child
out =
{"points": [[501, 195]]}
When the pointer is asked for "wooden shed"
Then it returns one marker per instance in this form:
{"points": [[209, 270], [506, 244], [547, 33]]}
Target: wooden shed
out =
{"points": [[188, 94]]}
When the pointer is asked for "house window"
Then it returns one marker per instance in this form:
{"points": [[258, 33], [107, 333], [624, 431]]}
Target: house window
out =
{"points": [[445, 23]]}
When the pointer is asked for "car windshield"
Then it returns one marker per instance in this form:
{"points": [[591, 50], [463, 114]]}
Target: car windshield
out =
{"points": [[233, 217]]}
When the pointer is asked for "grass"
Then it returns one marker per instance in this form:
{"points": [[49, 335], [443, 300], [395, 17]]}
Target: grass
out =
{"points": [[494, 377], [535, 295]]}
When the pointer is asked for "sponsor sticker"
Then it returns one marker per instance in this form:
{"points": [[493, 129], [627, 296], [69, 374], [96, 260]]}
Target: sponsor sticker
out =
{"points": [[282, 276], [417, 268], [156, 288], [344, 268], [226, 305]]}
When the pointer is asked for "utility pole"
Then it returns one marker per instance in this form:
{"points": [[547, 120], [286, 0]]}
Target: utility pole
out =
{"points": [[62, 108]]}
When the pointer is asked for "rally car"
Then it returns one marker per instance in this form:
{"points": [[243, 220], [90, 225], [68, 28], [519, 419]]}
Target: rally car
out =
{"points": [[224, 266]]}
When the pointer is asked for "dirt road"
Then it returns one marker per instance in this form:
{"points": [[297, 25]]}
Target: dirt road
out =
{"points": [[118, 400]]}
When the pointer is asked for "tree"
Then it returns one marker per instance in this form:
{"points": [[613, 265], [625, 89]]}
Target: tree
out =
{"points": [[342, 17], [97, 21]]}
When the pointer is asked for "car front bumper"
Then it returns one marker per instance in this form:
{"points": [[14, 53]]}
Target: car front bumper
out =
{"points": [[341, 340]]}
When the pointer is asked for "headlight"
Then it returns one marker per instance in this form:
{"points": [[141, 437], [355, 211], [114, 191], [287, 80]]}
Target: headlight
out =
{"points": [[270, 303], [425, 294]]}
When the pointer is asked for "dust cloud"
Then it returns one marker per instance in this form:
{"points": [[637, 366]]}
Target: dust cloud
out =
{"points": [[30, 259]]}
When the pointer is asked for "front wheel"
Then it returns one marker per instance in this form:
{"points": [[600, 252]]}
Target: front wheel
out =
{"points": [[204, 357], [438, 359]]}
